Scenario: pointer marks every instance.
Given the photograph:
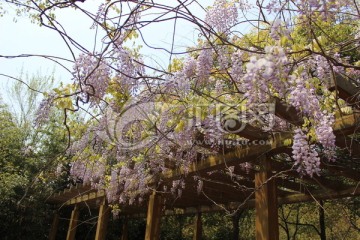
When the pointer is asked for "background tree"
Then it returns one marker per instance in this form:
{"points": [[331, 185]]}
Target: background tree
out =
{"points": [[28, 161]]}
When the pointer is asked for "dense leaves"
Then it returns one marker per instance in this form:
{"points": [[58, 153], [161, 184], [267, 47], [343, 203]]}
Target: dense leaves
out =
{"points": [[28, 158]]}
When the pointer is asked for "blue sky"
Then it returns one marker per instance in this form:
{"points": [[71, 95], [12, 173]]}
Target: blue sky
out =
{"points": [[23, 37]]}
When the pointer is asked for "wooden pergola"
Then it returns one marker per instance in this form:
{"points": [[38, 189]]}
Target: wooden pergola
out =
{"points": [[271, 182]]}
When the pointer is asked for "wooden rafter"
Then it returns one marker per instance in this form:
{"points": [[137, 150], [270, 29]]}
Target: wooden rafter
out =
{"points": [[346, 89]]}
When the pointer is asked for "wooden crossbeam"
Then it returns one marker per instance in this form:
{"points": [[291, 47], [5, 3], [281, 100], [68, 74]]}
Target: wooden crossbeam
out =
{"points": [[346, 172], [239, 155], [69, 193], [223, 195], [186, 201], [87, 197], [320, 195], [289, 199], [346, 89], [215, 162], [250, 132], [194, 210], [293, 186], [315, 180], [346, 125], [287, 112]]}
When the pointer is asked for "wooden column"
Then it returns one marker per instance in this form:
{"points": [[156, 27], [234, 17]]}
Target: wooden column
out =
{"points": [[102, 222], [235, 222], [54, 226], [197, 227], [73, 223], [322, 220], [266, 207], [124, 232], [153, 217]]}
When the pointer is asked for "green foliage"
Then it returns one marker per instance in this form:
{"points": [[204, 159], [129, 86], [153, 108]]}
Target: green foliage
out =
{"points": [[301, 220], [28, 157], [176, 227]]}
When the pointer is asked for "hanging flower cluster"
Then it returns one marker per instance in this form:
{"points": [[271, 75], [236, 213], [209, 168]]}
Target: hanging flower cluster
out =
{"points": [[93, 76], [306, 157], [222, 16]]}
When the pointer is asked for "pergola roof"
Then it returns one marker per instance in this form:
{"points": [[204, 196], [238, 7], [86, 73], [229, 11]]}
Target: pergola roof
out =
{"points": [[338, 179]]}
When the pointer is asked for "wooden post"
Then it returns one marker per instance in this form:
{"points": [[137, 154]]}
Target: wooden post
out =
{"points": [[266, 207], [54, 226], [235, 222], [197, 227], [124, 232], [102, 222], [322, 221], [153, 217], [73, 223]]}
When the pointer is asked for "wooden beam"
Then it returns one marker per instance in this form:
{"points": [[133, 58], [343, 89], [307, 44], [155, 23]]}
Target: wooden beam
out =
{"points": [[54, 226], [102, 222], [289, 199], [346, 125], [197, 227], [266, 207], [153, 217], [73, 223], [288, 113], [320, 195], [249, 132], [343, 171], [86, 197], [241, 154], [346, 89], [320, 181], [295, 186]]}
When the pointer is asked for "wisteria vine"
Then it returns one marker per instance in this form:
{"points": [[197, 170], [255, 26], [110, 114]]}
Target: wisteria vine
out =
{"points": [[170, 118]]}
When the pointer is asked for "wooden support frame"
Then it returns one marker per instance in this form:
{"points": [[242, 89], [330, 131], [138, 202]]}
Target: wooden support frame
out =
{"points": [[197, 227], [73, 223], [102, 222], [54, 226], [266, 192], [153, 217], [266, 206]]}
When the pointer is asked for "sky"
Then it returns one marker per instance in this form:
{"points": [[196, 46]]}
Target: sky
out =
{"points": [[19, 36], [23, 37]]}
